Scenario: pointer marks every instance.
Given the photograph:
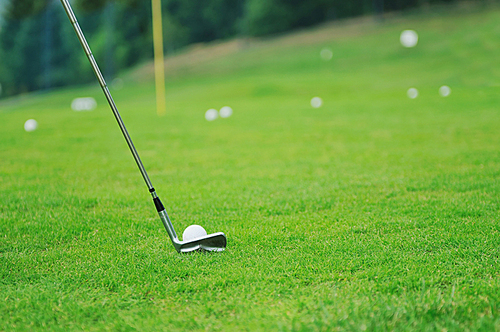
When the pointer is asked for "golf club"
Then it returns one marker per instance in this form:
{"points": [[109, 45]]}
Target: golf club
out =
{"points": [[210, 242]]}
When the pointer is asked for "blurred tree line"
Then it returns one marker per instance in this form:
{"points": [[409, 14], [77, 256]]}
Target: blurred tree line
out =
{"points": [[38, 48]]}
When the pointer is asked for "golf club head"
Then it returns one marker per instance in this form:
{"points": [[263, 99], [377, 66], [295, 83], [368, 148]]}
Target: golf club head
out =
{"points": [[210, 242]]}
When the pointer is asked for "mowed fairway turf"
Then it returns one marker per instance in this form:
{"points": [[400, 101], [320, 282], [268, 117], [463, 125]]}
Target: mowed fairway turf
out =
{"points": [[373, 212]]}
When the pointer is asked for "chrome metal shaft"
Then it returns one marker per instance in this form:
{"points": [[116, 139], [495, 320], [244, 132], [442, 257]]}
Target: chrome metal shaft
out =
{"points": [[102, 82]]}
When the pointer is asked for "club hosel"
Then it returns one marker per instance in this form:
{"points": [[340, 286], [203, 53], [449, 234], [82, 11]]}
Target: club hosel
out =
{"points": [[168, 225]]}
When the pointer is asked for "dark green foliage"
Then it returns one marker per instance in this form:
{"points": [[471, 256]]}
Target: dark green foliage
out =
{"points": [[17, 39], [206, 20], [267, 16], [27, 52], [133, 39], [90, 6], [19, 9], [24, 53]]}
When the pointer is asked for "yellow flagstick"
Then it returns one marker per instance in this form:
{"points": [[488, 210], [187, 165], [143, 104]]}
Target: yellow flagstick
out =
{"points": [[161, 107]]}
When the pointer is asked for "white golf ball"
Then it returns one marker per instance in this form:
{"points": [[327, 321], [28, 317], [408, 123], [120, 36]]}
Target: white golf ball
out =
{"points": [[412, 93], [408, 38], [444, 91], [225, 112], [117, 83], [211, 114], [83, 104], [326, 54], [316, 102], [193, 232], [30, 125]]}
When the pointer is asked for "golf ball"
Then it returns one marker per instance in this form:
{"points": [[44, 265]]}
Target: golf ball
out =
{"points": [[412, 93], [225, 112], [117, 84], [444, 91], [211, 114], [30, 125], [193, 232], [326, 54], [408, 38], [316, 102], [83, 104]]}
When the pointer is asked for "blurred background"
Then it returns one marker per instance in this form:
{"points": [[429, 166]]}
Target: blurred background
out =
{"points": [[37, 44]]}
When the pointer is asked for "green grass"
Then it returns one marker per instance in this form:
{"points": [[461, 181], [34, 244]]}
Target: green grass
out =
{"points": [[373, 212]]}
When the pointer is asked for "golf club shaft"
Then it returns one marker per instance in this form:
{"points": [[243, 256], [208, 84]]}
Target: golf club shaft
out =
{"points": [[102, 82]]}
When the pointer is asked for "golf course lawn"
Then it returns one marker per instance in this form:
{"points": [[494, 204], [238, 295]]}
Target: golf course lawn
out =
{"points": [[373, 212]]}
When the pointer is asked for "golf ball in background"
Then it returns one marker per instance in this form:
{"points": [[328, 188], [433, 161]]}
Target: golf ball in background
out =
{"points": [[211, 114], [30, 125], [83, 104], [117, 84], [193, 232], [412, 93], [316, 102], [225, 112], [408, 38], [326, 54], [444, 91]]}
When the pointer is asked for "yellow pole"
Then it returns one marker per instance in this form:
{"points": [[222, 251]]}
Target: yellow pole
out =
{"points": [[161, 107]]}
